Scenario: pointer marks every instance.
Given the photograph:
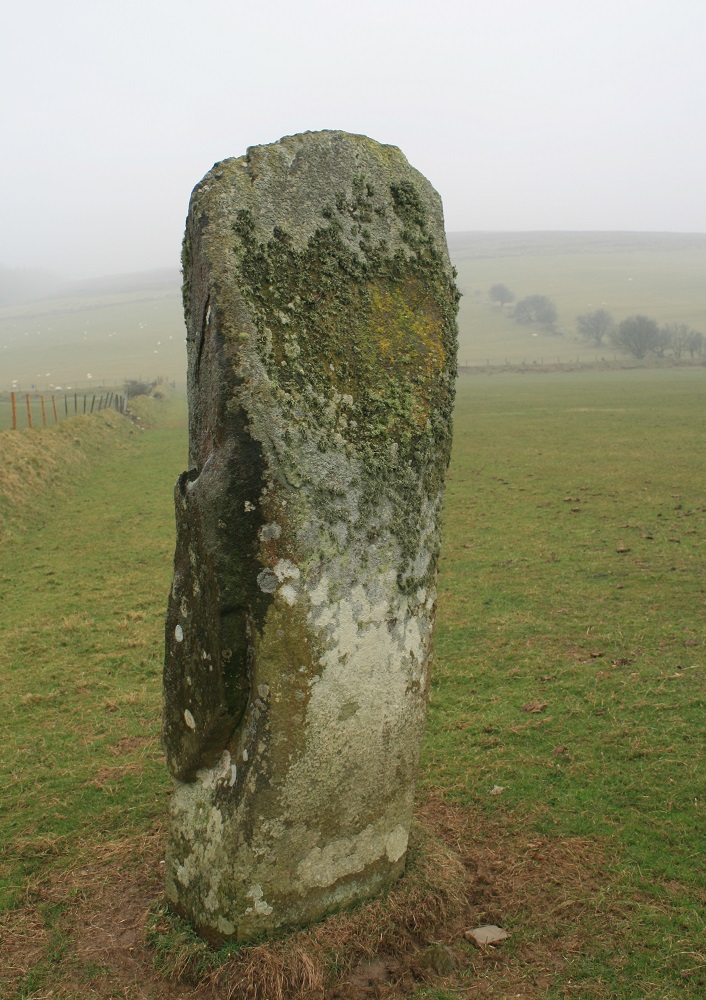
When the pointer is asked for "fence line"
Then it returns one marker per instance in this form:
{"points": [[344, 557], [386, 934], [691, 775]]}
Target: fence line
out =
{"points": [[108, 400]]}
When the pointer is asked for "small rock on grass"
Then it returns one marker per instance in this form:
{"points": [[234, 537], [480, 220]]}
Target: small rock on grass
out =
{"points": [[487, 934]]}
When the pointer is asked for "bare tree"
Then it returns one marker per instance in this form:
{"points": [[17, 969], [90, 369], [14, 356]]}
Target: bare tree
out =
{"points": [[536, 309], [594, 327], [678, 334], [638, 335], [696, 343], [501, 293]]}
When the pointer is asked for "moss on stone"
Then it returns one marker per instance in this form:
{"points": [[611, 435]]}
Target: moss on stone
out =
{"points": [[362, 339]]}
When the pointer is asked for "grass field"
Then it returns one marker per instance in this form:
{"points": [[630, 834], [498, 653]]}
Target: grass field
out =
{"points": [[563, 760], [109, 334]]}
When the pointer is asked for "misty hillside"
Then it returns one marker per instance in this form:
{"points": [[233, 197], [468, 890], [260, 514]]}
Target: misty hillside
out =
{"points": [[158, 280], [94, 332], [22, 284], [483, 245]]}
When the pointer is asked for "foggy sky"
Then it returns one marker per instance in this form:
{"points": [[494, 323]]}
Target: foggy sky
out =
{"points": [[524, 114]]}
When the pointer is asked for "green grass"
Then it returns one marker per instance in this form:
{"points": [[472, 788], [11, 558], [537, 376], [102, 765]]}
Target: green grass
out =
{"points": [[572, 579], [571, 582], [84, 586]]}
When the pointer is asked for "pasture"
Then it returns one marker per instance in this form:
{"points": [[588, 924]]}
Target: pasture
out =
{"points": [[100, 334], [563, 761]]}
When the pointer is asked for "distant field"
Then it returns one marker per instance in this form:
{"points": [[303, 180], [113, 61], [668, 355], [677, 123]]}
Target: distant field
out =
{"points": [[659, 275], [111, 336], [130, 328]]}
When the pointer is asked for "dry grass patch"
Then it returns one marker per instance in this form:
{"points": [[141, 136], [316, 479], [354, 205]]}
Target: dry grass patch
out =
{"points": [[37, 460], [98, 927]]}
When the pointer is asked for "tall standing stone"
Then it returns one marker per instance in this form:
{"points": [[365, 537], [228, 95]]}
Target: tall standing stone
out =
{"points": [[320, 307]]}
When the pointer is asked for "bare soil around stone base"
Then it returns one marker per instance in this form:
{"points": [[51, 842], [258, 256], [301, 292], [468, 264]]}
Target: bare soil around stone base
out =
{"points": [[99, 928]]}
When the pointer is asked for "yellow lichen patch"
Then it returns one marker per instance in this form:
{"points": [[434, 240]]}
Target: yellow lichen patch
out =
{"points": [[407, 325], [408, 330]]}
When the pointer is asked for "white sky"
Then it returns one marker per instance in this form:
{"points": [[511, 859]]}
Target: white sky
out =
{"points": [[524, 114]]}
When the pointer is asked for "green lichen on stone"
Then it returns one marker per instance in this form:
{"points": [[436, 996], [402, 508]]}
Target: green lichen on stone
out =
{"points": [[364, 339]]}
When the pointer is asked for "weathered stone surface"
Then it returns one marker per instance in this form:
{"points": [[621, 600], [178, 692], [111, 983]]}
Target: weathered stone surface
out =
{"points": [[320, 309]]}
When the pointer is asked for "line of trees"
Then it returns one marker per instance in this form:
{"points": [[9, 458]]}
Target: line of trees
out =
{"points": [[637, 335], [640, 335]]}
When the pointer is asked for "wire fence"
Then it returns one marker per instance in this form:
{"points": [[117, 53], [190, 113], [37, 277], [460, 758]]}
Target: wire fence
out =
{"points": [[30, 409]]}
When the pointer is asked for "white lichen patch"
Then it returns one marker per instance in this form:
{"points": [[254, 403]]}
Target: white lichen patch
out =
{"points": [[280, 579], [325, 865], [179, 633], [286, 570], [189, 719], [201, 829], [267, 581], [288, 594], [396, 843], [260, 905], [319, 594]]}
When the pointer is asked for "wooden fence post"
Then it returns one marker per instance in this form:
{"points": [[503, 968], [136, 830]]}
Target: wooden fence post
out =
{"points": [[66, 404], [29, 411], [56, 415], [13, 404], [84, 402], [44, 412], [93, 402], [75, 403]]}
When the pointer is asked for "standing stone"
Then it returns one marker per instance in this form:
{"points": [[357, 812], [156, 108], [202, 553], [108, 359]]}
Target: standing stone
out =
{"points": [[320, 307]]}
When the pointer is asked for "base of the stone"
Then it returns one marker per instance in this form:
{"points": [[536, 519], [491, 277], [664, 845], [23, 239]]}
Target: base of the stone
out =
{"points": [[295, 913]]}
